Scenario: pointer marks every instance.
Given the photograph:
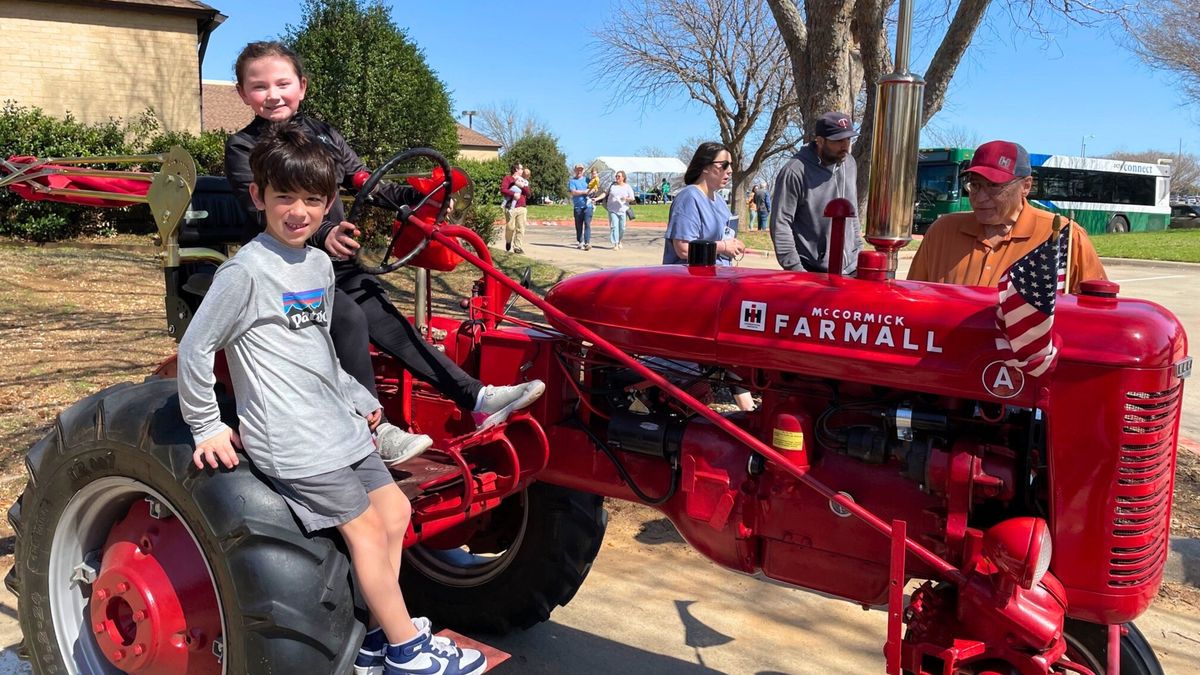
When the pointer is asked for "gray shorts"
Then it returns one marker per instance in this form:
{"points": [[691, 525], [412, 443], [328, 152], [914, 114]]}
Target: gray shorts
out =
{"points": [[337, 497]]}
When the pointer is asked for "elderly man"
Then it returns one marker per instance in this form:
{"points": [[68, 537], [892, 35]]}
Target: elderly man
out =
{"points": [[821, 171], [977, 247]]}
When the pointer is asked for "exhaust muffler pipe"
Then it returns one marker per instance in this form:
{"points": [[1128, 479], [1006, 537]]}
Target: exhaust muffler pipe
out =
{"points": [[891, 195]]}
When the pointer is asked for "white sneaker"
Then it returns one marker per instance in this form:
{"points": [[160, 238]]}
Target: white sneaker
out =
{"points": [[397, 446], [432, 655], [499, 402]]}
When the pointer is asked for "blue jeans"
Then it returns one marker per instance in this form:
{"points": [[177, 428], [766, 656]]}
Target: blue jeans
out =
{"points": [[583, 224], [762, 219], [616, 227]]}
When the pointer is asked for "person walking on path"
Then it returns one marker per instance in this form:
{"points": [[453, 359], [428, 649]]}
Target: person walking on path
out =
{"points": [[517, 215], [762, 205], [583, 207], [620, 196], [823, 170]]}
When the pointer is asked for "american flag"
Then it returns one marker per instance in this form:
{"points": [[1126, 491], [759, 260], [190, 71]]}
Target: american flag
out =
{"points": [[1025, 312]]}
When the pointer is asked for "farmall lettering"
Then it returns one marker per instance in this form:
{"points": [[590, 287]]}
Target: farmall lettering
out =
{"points": [[836, 324]]}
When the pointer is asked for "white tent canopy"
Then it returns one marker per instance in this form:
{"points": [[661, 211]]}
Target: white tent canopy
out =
{"points": [[667, 165], [640, 165]]}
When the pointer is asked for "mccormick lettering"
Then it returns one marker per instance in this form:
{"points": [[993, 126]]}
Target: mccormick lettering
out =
{"points": [[826, 324]]}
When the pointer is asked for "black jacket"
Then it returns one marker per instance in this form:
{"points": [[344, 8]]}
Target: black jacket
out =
{"points": [[237, 170]]}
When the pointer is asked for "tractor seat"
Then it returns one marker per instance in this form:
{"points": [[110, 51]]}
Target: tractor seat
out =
{"points": [[215, 217]]}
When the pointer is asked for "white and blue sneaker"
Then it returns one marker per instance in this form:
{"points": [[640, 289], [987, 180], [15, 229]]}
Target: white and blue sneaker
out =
{"points": [[432, 655], [371, 653]]}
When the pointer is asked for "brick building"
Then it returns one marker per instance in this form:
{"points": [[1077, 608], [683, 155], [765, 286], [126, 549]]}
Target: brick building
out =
{"points": [[474, 145], [107, 58]]}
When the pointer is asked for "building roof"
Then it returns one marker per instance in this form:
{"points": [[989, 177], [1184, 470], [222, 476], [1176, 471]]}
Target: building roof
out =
{"points": [[468, 136], [223, 108], [189, 6]]}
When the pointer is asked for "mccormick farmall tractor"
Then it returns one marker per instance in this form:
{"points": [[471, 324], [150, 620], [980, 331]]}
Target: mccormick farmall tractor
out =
{"points": [[894, 442]]}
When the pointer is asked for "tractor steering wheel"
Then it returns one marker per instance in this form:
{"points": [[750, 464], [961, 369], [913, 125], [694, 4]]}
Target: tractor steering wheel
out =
{"points": [[365, 198]]}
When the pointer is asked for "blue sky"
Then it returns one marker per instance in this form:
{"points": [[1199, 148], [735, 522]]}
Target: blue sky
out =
{"points": [[1047, 96]]}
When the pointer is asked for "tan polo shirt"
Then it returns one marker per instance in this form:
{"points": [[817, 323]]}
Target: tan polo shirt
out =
{"points": [[954, 251]]}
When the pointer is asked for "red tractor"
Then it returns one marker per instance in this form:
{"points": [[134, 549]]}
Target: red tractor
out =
{"points": [[891, 444]]}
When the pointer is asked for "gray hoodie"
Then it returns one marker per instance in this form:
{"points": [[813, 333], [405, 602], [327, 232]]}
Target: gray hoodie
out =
{"points": [[798, 227]]}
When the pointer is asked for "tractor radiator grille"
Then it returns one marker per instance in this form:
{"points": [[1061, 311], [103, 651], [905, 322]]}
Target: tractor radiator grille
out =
{"points": [[1141, 495]]}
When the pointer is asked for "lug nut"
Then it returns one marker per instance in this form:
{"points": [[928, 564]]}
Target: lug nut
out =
{"points": [[118, 655], [98, 627], [122, 587], [139, 616], [139, 649], [101, 594]]}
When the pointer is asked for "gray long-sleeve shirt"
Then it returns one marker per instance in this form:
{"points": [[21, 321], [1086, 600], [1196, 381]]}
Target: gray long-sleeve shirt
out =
{"points": [[268, 308], [799, 227]]}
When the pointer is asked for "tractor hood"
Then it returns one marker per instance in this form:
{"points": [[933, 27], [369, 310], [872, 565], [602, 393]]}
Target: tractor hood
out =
{"points": [[932, 337]]}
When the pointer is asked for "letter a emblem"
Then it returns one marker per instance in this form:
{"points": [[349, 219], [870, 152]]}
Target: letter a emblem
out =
{"points": [[1002, 380]]}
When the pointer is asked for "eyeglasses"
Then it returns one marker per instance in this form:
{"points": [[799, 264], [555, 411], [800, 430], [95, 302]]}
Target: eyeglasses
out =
{"points": [[974, 186], [722, 165]]}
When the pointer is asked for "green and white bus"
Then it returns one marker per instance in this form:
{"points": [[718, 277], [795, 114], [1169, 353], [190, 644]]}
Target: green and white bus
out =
{"points": [[1102, 195]]}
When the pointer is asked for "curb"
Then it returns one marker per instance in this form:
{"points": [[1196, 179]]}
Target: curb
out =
{"points": [[1134, 262]]}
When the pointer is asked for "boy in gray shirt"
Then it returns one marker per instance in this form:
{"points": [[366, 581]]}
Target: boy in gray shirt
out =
{"points": [[305, 422]]}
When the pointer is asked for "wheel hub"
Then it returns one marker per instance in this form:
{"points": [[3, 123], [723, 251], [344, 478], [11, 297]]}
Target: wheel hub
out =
{"points": [[153, 609]]}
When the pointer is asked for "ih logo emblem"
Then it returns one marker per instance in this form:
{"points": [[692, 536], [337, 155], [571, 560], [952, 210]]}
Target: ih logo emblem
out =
{"points": [[754, 316]]}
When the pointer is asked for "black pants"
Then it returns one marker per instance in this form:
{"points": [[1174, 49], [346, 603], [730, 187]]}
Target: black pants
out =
{"points": [[362, 311]]}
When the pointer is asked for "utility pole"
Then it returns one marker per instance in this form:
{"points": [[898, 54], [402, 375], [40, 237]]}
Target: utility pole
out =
{"points": [[470, 115]]}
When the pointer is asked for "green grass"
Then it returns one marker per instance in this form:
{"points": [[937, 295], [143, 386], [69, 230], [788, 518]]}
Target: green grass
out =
{"points": [[1178, 245], [655, 213]]}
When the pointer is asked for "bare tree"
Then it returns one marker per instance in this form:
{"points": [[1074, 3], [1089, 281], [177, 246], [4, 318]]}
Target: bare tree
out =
{"points": [[506, 124], [1185, 171], [725, 55], [823, 36], [949, 136], [1166, 35]]}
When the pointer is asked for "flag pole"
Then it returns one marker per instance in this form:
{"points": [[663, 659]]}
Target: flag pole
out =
{"points": [[1067, 266]]}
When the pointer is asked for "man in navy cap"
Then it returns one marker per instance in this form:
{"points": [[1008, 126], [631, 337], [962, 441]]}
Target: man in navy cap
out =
{"points": [[823, 170], [975, 248]]}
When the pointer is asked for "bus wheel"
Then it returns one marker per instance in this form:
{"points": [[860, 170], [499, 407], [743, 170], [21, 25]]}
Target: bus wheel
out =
{"points": [[1118, 224]]}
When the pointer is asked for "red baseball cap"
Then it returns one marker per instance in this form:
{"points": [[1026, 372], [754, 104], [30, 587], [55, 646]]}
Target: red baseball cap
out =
{"points": [[1000, 162]]}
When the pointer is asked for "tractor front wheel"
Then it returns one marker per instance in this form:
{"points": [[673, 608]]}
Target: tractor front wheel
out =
{"points": [[532, 556], [1087, 645], [129, 559]]}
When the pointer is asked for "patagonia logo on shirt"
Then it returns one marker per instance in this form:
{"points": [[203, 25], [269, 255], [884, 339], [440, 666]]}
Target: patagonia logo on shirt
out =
{"points": [[304, 308]]}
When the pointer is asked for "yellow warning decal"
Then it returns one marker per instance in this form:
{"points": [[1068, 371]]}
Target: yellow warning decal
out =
{"points": [[787, 440]]}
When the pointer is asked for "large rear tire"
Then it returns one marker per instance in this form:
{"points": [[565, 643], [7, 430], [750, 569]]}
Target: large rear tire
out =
{"points": [[1087, 644], [283, 601], [533, 557]]}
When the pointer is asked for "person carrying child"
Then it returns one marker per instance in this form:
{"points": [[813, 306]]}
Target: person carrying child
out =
{"points": [[270, 80], [306, 423], [515, 190]]}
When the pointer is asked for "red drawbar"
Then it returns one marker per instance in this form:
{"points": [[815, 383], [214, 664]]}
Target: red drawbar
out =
{"points": [[137, 188]]}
